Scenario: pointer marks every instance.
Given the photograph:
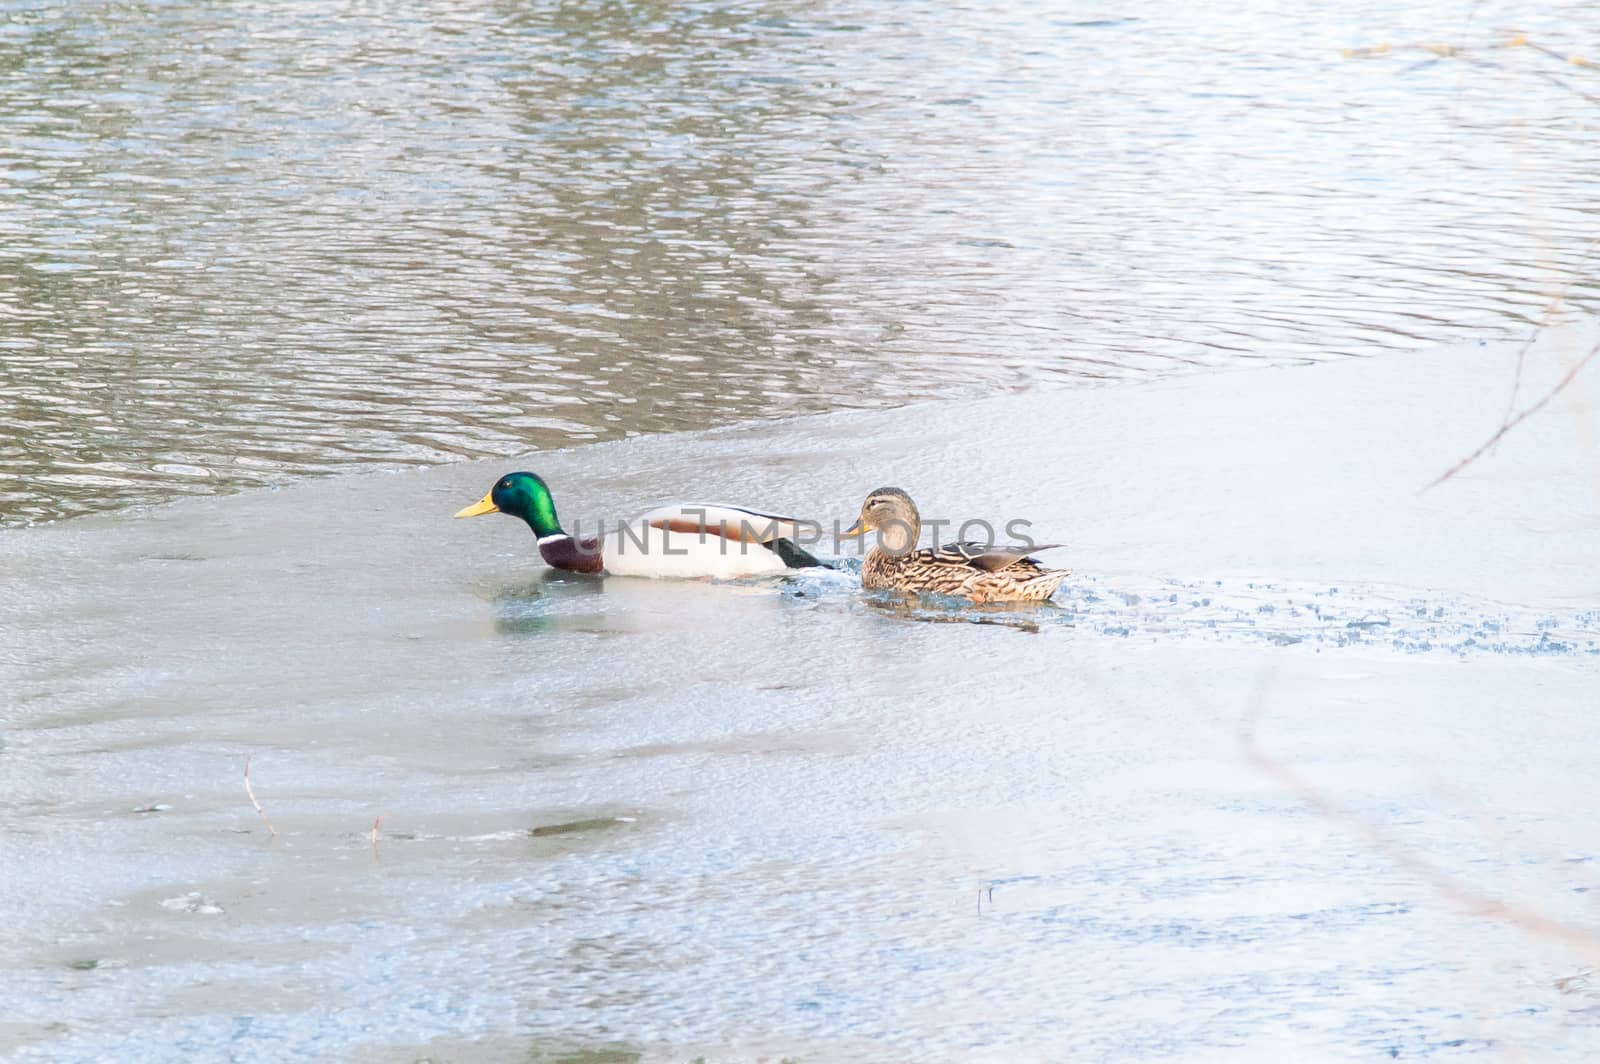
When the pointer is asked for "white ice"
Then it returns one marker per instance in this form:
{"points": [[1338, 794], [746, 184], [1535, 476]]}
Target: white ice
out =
{"points": [[1302, 766]]}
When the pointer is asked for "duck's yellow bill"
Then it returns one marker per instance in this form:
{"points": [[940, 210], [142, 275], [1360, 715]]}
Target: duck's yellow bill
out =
{"points": [[484, 505], [860, 528]]}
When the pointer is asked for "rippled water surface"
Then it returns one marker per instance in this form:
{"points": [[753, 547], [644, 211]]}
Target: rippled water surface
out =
{"points": [[244, 242]]}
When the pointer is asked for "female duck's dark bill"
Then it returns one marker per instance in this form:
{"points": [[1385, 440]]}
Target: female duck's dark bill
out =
{"points": [[483, 506]]}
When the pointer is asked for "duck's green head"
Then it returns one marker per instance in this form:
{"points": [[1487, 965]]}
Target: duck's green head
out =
{"points": [[523, 495]]}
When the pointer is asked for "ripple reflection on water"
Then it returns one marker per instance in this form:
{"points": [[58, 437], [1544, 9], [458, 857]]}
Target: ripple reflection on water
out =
{"points": [[251, 242]]}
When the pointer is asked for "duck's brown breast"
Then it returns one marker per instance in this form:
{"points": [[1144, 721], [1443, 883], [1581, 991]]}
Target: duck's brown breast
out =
{"points": [[572, 555]]}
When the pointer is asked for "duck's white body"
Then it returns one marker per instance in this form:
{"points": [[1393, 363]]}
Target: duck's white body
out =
{"points": [[689, 541]]}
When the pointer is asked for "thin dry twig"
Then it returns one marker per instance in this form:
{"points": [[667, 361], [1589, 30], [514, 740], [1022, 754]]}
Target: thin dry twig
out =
{"points": [[1449, 889], [1475, 56], [1550, 310], [1516, 376], [375, 824], [1521, 917], [1513, 422], [1511, 39], [252, 793]]}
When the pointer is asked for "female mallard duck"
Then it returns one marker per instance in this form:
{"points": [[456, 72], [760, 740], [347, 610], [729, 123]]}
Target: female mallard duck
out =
{"points": [[681, 540], [980, 572]]}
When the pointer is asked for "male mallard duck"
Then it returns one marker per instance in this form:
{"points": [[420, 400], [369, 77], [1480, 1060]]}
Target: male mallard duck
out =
{"points": [[682, 540], [980, 572]]}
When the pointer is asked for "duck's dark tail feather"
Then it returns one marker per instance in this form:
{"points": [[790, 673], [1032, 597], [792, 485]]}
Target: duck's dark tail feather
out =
{"points": [[794, 555]]}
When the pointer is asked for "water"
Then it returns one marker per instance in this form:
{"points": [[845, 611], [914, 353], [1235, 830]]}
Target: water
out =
{"points": [[1300, 766], [244, 243], [662, 820]]}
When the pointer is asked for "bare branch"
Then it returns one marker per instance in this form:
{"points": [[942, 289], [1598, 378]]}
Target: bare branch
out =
{"points": [[1527, 920], [1512, 423]]}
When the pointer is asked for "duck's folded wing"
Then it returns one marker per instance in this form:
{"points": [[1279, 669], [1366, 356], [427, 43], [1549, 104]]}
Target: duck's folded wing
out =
{"points": [[729, 522], [990, 558]]}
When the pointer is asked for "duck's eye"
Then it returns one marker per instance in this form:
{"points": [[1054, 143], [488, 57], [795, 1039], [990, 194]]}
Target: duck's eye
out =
{"points": [[506, 484]]}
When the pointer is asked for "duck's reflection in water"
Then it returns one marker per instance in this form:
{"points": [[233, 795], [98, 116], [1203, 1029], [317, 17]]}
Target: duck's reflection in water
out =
{"points": [[545, 602], [554, 600], [1028, 617]]}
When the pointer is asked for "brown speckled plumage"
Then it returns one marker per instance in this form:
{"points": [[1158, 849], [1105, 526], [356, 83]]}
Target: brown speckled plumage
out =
{"points": [[949, 571], [972, 571]]}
